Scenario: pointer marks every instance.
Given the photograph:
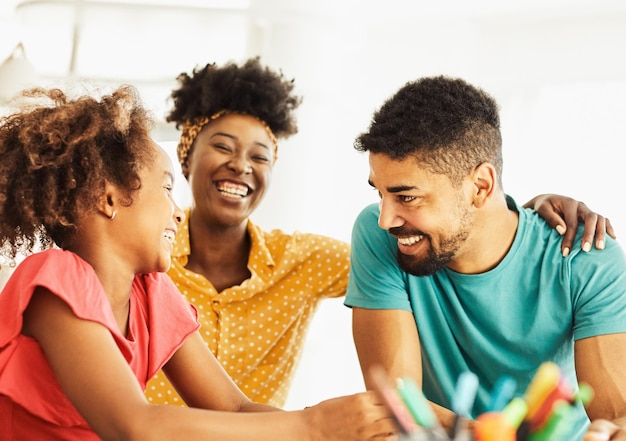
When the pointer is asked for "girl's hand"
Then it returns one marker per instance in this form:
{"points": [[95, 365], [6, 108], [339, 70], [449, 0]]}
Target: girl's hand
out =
{"points": [[357, 417], [605, 430]]}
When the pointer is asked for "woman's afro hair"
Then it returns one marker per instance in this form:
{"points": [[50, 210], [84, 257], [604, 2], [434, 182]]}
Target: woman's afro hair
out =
{"points": [[249, 88]]}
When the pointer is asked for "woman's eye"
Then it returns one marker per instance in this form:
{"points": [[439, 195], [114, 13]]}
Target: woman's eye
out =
{"points": [[222, 147], [261, 159]]}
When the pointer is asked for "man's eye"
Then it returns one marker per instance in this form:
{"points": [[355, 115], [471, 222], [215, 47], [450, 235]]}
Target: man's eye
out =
{"points": [[406, 198]]}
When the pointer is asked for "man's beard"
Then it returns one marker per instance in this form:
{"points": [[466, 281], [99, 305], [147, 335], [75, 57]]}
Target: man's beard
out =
{"points": [[427, 266], [436, 259]]}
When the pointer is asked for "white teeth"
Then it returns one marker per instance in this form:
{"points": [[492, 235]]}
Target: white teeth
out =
{"points": [[409, 240], [231, 194], [232, 190]]}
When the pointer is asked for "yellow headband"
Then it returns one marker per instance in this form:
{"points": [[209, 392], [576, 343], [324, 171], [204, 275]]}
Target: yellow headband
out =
{"points": [[191, 128]]}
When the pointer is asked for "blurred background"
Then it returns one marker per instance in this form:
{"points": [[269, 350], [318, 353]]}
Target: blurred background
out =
{"points": [[556, 67]]}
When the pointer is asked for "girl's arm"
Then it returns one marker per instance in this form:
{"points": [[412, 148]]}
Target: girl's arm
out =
{"points": [[193, 370], [98, 381]]}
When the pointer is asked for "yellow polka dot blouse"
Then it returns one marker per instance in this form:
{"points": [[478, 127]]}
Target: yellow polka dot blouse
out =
{"points": [[257, 329]]}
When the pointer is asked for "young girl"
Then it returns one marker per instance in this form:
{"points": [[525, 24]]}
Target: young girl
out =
{"points": [[85, 323]]}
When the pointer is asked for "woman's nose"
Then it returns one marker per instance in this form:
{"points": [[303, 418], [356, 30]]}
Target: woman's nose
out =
{"points": [[240, 165]]}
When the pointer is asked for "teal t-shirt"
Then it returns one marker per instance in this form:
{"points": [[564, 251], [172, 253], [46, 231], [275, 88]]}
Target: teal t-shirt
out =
{"points": [[527, 310]]}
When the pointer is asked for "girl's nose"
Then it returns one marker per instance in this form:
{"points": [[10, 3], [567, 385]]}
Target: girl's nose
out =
{"points": [[179, 214]]}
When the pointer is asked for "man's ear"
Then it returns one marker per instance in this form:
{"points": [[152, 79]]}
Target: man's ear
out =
{"points": [[107, 205], [484, 179]]}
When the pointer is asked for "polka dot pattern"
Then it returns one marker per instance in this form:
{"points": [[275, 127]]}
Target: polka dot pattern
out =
{"points": [[257, 329]]}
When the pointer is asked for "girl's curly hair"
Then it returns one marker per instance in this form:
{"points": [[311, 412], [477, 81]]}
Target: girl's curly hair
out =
{"points": [[57, 156], [249, 88]]}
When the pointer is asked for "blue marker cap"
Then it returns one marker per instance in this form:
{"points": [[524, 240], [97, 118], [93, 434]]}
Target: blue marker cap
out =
{"points": [[502, 393], [465, 394]]}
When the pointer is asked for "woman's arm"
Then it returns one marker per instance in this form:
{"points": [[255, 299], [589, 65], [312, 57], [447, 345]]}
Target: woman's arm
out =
{"points": [[564, 214]]}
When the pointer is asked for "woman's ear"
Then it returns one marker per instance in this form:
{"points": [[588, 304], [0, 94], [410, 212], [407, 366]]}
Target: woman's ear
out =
{"points": [[484, 180], [185, 169]]}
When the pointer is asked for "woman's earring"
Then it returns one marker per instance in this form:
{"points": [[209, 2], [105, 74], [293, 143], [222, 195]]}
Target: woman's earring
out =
{"points": [[113, 215]]}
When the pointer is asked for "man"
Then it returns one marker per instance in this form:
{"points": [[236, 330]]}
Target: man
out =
{"points": [[449, 275]]}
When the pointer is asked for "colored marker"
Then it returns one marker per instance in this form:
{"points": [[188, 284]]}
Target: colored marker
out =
{"points": [[558, 425], [562, 392], [463, 400], [493, 426], [503, 391], [544, 382], [501, 426], [420, 409], [416, 402], [584, 394], [392, 401], [515, 412], [463, 435]]}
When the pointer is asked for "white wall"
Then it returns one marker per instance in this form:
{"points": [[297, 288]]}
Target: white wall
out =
{"points": [[556, 67], [561, 84]]}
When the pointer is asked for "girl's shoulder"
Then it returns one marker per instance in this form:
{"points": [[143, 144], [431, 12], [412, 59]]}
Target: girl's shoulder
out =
{"points": [[61, 272]]}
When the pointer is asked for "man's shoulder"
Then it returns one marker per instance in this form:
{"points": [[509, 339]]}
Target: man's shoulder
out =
{"points": [[533, 225], [370, 210], [367, 218]]}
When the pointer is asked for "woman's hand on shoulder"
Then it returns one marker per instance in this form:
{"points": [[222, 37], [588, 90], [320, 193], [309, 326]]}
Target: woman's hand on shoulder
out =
{"points": [[564, 214]]}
